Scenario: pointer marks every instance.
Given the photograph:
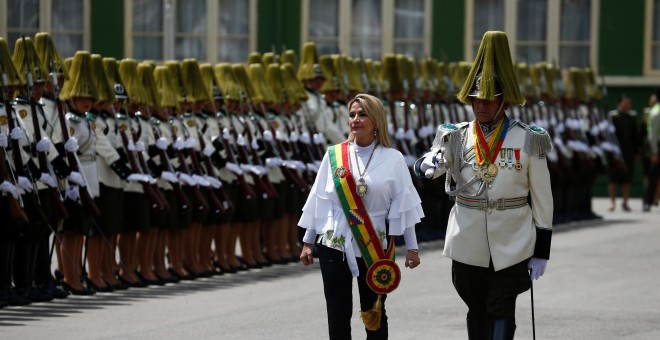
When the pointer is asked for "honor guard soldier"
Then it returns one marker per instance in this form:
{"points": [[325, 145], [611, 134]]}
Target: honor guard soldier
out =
{"points": [[330, 91], [494, 236]]}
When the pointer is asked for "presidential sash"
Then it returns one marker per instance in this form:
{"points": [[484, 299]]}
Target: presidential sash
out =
{"points": [[383, 274]]}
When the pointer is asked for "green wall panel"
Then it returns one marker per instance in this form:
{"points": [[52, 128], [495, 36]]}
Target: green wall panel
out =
{"points": [[107, 32], [448, 30], [621, 39], [278, 25]]}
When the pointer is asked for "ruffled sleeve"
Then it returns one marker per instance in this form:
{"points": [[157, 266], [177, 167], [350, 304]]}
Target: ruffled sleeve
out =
{"points": [[406, 208], [317, 212]]}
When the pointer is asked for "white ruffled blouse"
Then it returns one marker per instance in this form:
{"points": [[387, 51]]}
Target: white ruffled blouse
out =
{"points": [[391, 197]]}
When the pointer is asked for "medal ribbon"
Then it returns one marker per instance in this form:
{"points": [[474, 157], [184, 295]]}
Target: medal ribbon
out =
{"points": [[492, 149], [356, 213]]}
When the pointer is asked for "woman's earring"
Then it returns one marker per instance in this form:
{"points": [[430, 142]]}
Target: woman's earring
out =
{"points": [[375, 133]]}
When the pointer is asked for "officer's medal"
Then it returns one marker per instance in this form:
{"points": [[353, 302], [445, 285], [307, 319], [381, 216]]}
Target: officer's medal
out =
{"points": [[486, 152]]}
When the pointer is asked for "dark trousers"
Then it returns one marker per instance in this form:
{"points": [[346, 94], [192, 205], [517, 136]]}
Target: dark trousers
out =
{"points": [[490, 295], [654, 175], [338, 289]]}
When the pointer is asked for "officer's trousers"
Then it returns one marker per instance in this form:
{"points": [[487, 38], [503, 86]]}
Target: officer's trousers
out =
{"points": [[338, 289]]}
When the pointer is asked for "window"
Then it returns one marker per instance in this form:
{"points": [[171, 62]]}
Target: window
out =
{"points": [[368, 27], [66, 21], [539, 30], [653, 37], [207, 30]]}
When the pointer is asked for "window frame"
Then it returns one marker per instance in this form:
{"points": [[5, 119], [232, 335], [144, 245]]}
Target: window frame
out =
{"points": [[387, 15], [46, 21], [648, 41], [212, 38], [553, 42]]}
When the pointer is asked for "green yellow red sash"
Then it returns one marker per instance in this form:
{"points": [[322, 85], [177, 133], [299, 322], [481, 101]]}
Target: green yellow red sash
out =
{"points": [[383, 275], [486, 152]]}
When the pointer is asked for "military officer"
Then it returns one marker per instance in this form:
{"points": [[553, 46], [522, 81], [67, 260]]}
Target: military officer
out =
{"points": [[494, 236]]}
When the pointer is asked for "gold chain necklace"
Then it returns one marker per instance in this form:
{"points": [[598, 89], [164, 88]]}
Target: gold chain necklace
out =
{"points": [[362, 188]]}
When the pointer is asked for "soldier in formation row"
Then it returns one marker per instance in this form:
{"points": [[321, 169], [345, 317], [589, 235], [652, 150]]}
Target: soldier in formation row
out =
{"points": [[143, 173]]}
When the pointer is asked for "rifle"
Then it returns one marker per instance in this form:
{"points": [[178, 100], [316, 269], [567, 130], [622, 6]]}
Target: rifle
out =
{"points": [[15, 205], [31, 204], [198, 200], [226, 201], [247, 191], [178, 192], [291, 175], [215, 203], [53, 192], [86, 199]]}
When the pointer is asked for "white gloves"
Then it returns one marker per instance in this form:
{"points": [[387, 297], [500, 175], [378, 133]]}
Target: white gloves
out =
{"points": [[71, 145], [430, 162], [43, 145], [72, 192], [305, 138], [268, 136], [10, 189], [25, 184], [4, 142], [139, 146], [47, 179], [162, 143], [76, 178], [201, 181], [537, 266], [190, 143], [208, 151], [187, 179], [274, 162], [234, 168], [16, 133], [215, 183], [179, 144], [138, 178], [168, 176]]}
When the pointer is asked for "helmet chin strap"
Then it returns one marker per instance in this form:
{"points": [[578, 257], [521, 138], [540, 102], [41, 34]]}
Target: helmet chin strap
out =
{"points": [[495, 116]]}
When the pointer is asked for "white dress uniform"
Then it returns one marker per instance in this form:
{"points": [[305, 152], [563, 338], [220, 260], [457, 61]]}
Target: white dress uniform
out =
{"points": [[82, 130], [391, 198], [494, 221]]}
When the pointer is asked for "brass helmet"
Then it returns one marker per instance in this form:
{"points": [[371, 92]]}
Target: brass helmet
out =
{"points": [[46, 50], [192, 81], [7, 66], [128, 69], [104, 88], [26, 57], [167, 92], [309, 64], [81, 82], [111, 66]]}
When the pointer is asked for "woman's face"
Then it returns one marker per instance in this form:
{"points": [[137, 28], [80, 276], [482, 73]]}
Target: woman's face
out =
{"points": [[360, 124]]}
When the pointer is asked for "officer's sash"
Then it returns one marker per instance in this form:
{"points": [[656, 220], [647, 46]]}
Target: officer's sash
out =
{"points": [[383, 275]]}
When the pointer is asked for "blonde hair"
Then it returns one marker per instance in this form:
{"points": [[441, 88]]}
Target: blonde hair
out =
{"points": [[374, 109]]}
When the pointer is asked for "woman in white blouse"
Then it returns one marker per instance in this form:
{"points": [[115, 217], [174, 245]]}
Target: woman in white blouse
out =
{"points": [[390, 200]]}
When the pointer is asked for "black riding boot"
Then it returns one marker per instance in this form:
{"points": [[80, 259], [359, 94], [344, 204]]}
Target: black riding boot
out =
{"points": [[477, 329], [502, 329]]}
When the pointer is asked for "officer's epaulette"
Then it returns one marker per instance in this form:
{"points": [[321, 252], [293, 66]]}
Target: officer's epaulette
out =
{"points": [[72, 117], [537, 140], [446, 130], [19, 101], [91, 116], [121, 116], [141, 116], [154, 120]]}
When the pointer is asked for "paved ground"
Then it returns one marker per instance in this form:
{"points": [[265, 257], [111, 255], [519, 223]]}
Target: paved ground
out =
{"points": [[601, 283]]}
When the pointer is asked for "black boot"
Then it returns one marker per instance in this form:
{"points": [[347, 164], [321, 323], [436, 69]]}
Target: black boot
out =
{"points": [[502, 329], [477, 329]]}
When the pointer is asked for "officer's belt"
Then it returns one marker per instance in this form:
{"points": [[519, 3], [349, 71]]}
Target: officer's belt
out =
{"points": [[489, 204]]}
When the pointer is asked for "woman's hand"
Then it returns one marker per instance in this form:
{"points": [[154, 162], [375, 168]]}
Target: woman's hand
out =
{"points": [[306, 254], [412, 258]]}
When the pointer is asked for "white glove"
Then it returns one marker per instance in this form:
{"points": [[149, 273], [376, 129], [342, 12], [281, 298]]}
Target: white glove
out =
{"points": [[274, 162], [319, 138], [190, 143], [254, 144], [179, 144], [25, 184], [215, 183], [43, 145], [240, 140], [305, 138], [76, 178], [168, 176], [201, 181], [138, 178], [4, 142], [537, 266], [139, 146], [234, 168], [162, 143], [208, 151], [72, 192], [151, 179], [187, 179], [47, 179], [268, 136], [16, 133], [71, 145], [293, 137], [312, 167], [10, 189], [130, 146]]}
